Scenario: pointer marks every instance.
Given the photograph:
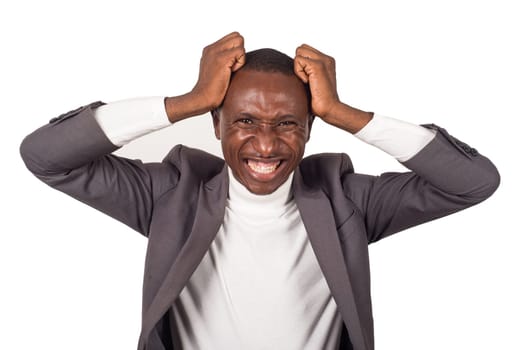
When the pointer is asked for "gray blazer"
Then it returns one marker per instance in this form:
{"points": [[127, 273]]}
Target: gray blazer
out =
{"points": [[179, 205]]}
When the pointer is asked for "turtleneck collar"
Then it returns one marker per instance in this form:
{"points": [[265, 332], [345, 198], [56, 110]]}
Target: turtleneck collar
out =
{"points": [[241, 200]]}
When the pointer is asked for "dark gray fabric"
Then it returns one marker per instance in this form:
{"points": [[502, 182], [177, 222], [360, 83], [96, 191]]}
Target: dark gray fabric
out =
{"points": [[179, 205]]}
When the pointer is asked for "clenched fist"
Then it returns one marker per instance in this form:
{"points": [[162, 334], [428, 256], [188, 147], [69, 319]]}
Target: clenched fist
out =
{"points": [[318, 69], [218, 61]]}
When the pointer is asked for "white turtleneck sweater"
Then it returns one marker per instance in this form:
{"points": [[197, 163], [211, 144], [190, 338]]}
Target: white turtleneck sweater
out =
{"points": [[259, 286]]}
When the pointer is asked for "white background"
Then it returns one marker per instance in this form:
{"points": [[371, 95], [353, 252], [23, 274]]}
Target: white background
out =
{"points": [[71, 278]]}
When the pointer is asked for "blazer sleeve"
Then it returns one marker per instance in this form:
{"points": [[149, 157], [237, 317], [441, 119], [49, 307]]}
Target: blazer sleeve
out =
{"points": [[73, 155], [446, 176]]}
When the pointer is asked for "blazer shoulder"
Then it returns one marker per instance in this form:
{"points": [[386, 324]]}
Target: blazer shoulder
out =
{"points": [[194, 162], [324, 169]]}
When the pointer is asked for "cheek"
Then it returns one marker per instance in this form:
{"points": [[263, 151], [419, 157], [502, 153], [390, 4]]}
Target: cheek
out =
{"points": [[233, 140], [297, 142], [300, 137]]}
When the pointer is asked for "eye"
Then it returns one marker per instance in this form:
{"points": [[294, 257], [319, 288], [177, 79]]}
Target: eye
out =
{"points": [[245, 121], [287, 123]]}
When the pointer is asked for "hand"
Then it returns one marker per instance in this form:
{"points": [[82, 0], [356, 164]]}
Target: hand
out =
{"points": [[218, 61], [318, 69]]}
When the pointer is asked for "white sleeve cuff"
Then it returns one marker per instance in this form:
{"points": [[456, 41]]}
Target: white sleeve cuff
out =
{"points": [[400, 139], [125, 120]]}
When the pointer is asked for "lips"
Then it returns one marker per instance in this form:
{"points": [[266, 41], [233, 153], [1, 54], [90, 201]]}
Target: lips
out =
{"points": [[263, 167]]}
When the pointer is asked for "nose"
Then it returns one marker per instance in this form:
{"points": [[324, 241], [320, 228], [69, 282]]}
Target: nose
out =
{"points": [[265, 141]]}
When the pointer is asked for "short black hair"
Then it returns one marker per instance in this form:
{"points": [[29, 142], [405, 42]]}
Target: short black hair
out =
{"points": [[269, 60], [272, 61]]}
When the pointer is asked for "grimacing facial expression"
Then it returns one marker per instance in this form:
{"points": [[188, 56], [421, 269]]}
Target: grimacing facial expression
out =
{"points": [[263, 126]]}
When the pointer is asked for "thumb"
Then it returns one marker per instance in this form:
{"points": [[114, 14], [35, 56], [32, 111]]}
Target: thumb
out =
{"points": [[239, 62], [300, 69]]}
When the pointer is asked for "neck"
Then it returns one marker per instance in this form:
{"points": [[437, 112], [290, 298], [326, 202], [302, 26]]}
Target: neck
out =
{"points": [[241, 200]]}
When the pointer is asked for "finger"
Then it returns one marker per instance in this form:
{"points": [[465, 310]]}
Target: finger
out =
{"points": [[227, 42], [240, 59], [300, 69], [234, 41], [317, 61], [309, 64], [233, 58], [307, 51], [235, 33], [228, 36], [310, 52], [309, 47]]}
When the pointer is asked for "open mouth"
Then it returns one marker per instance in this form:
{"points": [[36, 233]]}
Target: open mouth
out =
{"points": [[263, 167]]}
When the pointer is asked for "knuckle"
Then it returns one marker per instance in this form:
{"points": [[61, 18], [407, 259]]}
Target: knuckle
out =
{"points": [[237, 43], [239, 50], [206, 50]]}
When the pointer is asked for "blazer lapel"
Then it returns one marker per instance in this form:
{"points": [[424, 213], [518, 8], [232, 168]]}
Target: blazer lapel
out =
{"points": [[315, 211], [208, 218]]}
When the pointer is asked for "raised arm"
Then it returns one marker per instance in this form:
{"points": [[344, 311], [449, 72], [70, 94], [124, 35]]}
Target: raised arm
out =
{"points": [[73, 152], [447, 175]]}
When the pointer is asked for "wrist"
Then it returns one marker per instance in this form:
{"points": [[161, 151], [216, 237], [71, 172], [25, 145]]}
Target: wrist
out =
{"points": [[348, 118], [184, 106]]}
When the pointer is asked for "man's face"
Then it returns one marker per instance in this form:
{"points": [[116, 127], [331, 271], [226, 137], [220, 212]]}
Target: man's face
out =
{"points": [[263, 126]]}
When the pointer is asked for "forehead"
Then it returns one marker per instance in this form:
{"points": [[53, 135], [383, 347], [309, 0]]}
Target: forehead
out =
{"points": [[266, 93]]}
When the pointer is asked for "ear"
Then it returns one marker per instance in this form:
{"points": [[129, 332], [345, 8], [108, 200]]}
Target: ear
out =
{"points": [[310, 125], [215, 113]]}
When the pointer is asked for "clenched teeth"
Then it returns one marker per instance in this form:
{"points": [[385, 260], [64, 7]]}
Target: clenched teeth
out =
{"points": [[263, 167]]}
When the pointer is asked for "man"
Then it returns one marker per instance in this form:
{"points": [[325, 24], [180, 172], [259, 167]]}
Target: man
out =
{"points": [[267, 250]]}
